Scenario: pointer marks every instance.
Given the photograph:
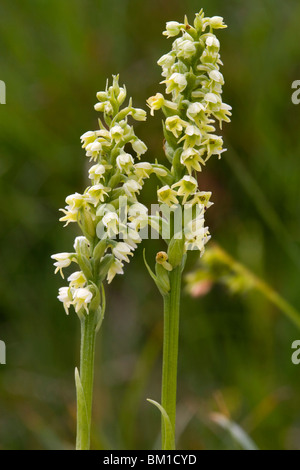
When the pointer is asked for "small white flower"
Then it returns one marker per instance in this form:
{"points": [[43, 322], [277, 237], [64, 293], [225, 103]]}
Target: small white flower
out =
{"points": [[122, 95], [117, 133], [75, 201], [97, 172], [194, 110], [79, 241], [139, 147], [166, 61], [95, 146], [139, 114], [110, 221], [187, 186], [125, 162], [159, 171], [192, 158], [177, 83], [121, 251], [212, 98], [77, 279], [175, 125], [216, 22], [63, 260], [212, 41], [132, 237], [143, 170], [186, 49], [158, 101], [81, 298], [138, 216], [155, 102], [87, 138], [216, 76], [131, 187], [115, 268], [70, 216], [172, 29], [192, 136], [97, 193], [65, 296], [102, 96], [104, 107], [166, 195]]}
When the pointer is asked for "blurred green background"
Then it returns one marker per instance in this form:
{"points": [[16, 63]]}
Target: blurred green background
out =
{"points": [[235, 350]]}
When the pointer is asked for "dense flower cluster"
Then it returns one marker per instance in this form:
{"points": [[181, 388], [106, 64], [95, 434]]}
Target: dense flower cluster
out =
{"points": [[192, 77], [108, 212]]}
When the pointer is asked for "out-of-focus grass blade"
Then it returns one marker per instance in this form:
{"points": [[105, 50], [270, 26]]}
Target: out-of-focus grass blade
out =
{"points": [[169, 443], [236, 432]]}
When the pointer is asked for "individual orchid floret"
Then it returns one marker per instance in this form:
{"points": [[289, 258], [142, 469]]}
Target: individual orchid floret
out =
{"points": [[192, 137], [175, 125], [172, 29], [63, 260], [176, 82], [97, 172], [139, 147], [111, 220], [158, 101], [191, 159], [139, 114], [97, 194], [121, 251], [202, 197], [77, 279], [166, 195], [115, 268], [65, 296], [132, 187], [125, 162], [186, 186], [81, 299], [143, 170]]}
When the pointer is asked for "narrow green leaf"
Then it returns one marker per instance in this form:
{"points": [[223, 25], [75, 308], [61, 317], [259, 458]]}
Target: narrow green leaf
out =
{"points": [[169, 443], [161, 287]]}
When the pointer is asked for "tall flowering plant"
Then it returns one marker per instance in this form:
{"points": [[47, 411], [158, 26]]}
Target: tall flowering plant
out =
{"points": [[110, 217], [193, 81]]}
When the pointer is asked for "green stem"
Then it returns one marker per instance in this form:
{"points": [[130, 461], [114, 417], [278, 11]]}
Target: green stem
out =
{"points": [[87, 355], [170, 352]]}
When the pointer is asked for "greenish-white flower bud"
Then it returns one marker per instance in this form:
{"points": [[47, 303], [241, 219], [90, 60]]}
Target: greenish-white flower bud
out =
{"points": [[139, 114], [125, 162], [166, 195], [176, 250], [217, 22], [172, 29], [102, 96], [139, 147], [162, 259], [177, 83], [82, 246], [166, 61]]}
